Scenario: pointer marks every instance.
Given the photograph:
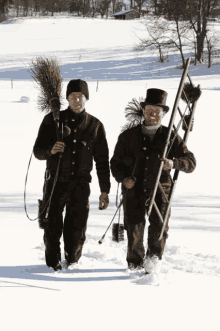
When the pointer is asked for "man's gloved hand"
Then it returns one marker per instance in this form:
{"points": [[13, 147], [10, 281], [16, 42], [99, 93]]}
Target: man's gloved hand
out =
{"points": [[168, 164], [103, 201], [129, 182]]}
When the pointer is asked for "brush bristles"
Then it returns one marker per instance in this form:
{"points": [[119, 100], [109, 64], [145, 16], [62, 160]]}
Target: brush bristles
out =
{"points": [[117, 232], [46, 72], [134, 114], [192, 93]]}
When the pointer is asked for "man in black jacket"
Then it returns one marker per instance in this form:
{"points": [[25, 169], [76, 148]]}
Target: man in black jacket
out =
{"points": [[135, 164], [86, 141]]}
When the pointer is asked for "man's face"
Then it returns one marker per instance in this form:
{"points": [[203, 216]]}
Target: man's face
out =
{"points": [[153, 115], [77, 101]]}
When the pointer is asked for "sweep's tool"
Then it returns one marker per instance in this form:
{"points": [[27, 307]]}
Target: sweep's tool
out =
{"points": [[117, 228], [46, 72], [189, 94], [101, 240]]}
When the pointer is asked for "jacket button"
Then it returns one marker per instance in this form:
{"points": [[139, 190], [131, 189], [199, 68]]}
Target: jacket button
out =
{"points": [[75, 130], [74, 152], [73, 119], [147, 157], [144, 148], [73, 162], [72, 173], [74, 140]]}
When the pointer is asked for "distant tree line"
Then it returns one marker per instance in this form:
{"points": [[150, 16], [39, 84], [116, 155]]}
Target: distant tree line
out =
{"points": [[83, 8]]}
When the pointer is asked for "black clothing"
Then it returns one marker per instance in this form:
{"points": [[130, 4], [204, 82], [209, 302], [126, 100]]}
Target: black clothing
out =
{"points": [[135, 205], [135, 148], [135, 154], [75, 197], [86, 141]]}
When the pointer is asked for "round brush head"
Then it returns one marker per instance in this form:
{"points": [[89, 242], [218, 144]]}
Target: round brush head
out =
{"points": [[191, 92]]}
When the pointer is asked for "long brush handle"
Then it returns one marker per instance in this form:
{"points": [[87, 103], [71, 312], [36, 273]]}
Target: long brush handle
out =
{"points": [[101, 240]]}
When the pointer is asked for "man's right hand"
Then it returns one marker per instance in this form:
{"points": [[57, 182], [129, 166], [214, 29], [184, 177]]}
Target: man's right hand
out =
{"points": [[58, 147], [128, 182]]}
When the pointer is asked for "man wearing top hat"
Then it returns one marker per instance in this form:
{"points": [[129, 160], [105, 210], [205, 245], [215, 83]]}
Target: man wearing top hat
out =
{"points": [[86, 140], [135, 164]]}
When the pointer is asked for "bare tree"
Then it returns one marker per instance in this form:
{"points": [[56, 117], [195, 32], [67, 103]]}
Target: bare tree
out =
{"points": [[51, 4], [154, 5], [139, 4], [114, 2], [165, 36], [75, 6], [212, 45], [25, 7], [4, 4], [196, 12], [103, 6], [156, 39], [93, 7]]}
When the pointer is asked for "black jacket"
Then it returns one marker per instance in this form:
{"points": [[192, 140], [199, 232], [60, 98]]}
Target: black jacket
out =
{"points": [[132, 149], [86, 142]]}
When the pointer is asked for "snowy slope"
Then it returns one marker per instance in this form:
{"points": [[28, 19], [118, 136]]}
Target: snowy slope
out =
{"points": [[100, 293]]}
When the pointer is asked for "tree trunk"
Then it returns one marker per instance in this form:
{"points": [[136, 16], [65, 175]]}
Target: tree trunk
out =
{"points": [[200, 46], [210, 58], [180, 43], [161, 55], [195, 54]]}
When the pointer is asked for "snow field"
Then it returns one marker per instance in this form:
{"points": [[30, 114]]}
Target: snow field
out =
{"points": [[99, 293]]}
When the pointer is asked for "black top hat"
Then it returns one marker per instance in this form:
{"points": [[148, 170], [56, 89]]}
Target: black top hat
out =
{"points": [[156, 97]]}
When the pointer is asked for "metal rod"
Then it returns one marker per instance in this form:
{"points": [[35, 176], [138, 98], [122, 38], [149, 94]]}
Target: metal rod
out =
{"points": [[101, 240]]}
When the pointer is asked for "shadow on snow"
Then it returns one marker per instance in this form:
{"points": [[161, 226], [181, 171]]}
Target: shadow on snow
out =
{"points": [[136, 68], [42, 272]]}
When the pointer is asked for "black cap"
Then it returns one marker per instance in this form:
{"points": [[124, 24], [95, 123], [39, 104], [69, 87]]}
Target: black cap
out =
{"points": [[77, 85]]}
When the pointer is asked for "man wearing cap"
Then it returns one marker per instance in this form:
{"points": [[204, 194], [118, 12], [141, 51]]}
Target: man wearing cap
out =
{"points": [[135, 164], [86, 140]]}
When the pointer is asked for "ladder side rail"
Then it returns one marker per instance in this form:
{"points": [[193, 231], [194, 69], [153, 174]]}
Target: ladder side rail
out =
{"points": [[176, 173], [169, 205], [175, 107]]}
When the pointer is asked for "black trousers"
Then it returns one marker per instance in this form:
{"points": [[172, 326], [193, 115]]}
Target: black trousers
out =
{"points": [[75, 197], [135, 209]]}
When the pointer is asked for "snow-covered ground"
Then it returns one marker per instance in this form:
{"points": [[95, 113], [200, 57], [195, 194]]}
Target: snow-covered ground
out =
{"points": [[100, 293]]}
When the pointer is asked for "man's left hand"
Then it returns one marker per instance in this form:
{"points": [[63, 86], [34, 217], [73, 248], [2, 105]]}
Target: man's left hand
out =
{"points": [[168, 164], [103, 201]]}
